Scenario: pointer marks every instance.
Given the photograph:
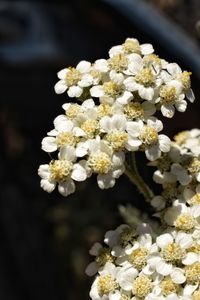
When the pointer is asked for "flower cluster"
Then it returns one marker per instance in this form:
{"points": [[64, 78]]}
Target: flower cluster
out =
{"points": [[178, 171], [133, 265], [118, 98]]}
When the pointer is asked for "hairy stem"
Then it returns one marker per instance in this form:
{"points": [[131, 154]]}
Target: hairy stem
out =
{"points": [[134, 176]]}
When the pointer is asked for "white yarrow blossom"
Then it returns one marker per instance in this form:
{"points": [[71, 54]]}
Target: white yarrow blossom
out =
{"points": [[74, 80], [62, 172], [108, 165]]}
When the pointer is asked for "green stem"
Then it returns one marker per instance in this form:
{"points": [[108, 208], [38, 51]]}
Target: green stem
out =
{"points": [[134, 176]]}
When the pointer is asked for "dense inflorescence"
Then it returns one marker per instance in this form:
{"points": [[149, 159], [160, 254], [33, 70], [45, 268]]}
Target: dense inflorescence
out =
{"points": [[117, 99], [133, 263]]}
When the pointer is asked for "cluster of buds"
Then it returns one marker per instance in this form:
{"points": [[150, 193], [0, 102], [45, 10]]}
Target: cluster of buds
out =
{"points": [[118, 98], [136, 265]]}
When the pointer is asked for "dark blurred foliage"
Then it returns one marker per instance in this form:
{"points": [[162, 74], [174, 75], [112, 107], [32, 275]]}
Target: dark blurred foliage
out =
{"points": [[45, 238]]}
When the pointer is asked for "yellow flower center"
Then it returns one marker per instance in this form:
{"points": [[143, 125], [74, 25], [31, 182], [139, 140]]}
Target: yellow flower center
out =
{"points": [[112, 89], [196, 295], [138, 258], [194, 166], [127, 236], [194, 248], [151, 59], [164, 163], [134, 110], [96, 74], [65, 138], [148, 136], [131, 46], [72, 111], [106, 284], [117, 139], [185, 79], [118, 62], [90, 127], [104, 109], [181, 137], [170, 191], [142, 286], [168, 94], [185, 222], [195, 199], [169, 287], [145, 77], [192, 273], [60, 170], [104, 257], [100, 162], [72, 77], [172, 253]]}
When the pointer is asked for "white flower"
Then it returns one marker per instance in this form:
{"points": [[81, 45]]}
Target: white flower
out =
{"points": [[131, 45], [61, 135], [192, 196], [171, 95], [174, 72], [147, 136], [181, 174], [181, 216], [105, 285], [111, 92], [62, 172], [172, 252], [107, 165], [144, 82], [74, 79]]}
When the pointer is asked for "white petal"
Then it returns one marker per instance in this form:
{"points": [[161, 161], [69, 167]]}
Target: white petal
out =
{"points": [[94, 251], [177, 276], [83, 66], [134, 128], [78, 173], [181, 105], [105, 181], [119, 122], [126, 278], [164, 143], [173, 69], [115, 296], [155, 123], [101, 65], [81, 149], [48, 144], [74, 91], [62, 73], [60, 87], [146, 49], [66, 188], [68, 153], [163, 268], [164, 240], [146, 93], [167, 110], [125, 98], [91, 269], [47, 185], [190, 258], [43, 171], [190, 95], [97, 91], [86, 80], [153, 153]]}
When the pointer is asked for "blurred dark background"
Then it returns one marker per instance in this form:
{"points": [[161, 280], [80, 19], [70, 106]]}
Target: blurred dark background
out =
{"points": [[44, 239]]}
